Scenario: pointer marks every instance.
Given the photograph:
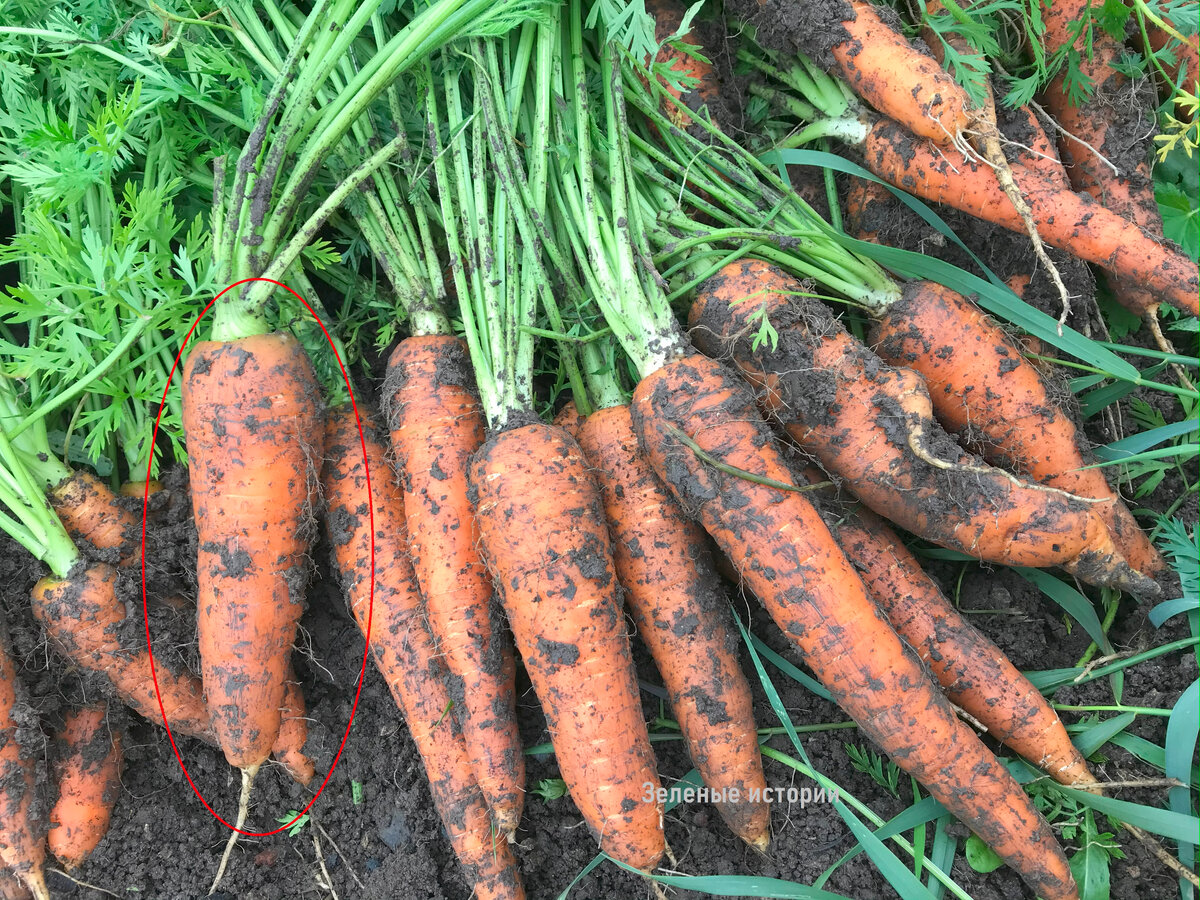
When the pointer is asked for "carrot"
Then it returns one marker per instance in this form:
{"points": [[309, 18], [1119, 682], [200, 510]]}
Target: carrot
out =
{"points": [[22, 835], [1105, 120], [978, 380], [1185, 72], [293, 734], [897, 80], [873, 425], [868, 206], [91, 512], [569, 419], [973, 671], [664, 564], [252, 414], [792, 564], [88, 776], [401, 644], [140, 489], [541, 519], [1067, 220], [436, 424], [702, 88], [89, 624]]}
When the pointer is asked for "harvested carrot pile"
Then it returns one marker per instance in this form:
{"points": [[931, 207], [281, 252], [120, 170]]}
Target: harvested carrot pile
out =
{"points": [[525, 449]]}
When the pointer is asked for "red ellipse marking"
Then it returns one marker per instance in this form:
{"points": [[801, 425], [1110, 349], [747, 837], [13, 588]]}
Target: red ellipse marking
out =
{"points": [[371, 587]]}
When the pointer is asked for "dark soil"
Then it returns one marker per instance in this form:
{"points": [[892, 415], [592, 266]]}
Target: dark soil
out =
{"points": [[164, 845]]}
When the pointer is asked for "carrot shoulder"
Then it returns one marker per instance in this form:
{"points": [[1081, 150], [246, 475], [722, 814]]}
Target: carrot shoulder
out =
{"points": [[436, 425], [787, 557], [980, 382], [88, 777], [671, 586], [542, 523], [252, 413], [402, 647], [92, 513]]}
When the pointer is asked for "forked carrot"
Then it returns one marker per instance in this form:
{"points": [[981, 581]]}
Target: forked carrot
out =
{"points": [[288, 748], [436, 424], [87, 774], [401, 644], [671, 585]]}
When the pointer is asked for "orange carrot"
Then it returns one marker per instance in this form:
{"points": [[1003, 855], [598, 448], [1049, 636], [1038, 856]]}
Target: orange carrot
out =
{"points": [[252, 414], [140, 489], [873, 425], [89, 624], [436, 424], [91, 512], [569, 419], [22, 837], [401, 644], [973, 671], [790, 561], [1104, 120], [897, 80], [705, 89], [542, 523], [293, 734], [1067, 220], [665, 566], [88, 776], [978, 380]]}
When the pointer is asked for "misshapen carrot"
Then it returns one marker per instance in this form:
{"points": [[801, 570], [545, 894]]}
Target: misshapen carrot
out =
{"points": [[436, 425], [542, 523], [252, 413], [671, 585], [979, 381], [86, 621], [973, 671], [1066, 220], [787, 557], [88, 777], [873, 425], [402, 647], [22, 836]]}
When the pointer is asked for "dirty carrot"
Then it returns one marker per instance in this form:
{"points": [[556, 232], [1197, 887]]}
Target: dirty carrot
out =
{"points": [[539, 511], [873, 425], [980, 383], [87, 775], [22, 837], [90, 625], [402, 646], [776, 539], [436, 424], [973, 671], [293, 733], [663, 562]]}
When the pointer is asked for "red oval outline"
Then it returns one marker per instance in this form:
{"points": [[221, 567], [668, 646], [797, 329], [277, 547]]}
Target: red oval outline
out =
{"points": [[371, 591]]}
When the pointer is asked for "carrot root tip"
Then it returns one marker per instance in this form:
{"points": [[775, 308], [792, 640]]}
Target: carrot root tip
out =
{"points": [[248, 774]]}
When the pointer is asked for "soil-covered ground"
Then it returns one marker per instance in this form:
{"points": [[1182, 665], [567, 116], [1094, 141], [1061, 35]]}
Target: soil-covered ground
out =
{"points": [[373, 833]]}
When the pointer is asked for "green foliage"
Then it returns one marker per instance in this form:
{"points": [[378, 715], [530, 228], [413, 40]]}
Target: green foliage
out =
{"points": [[885, 773], [551, 789], [298, 825]]}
